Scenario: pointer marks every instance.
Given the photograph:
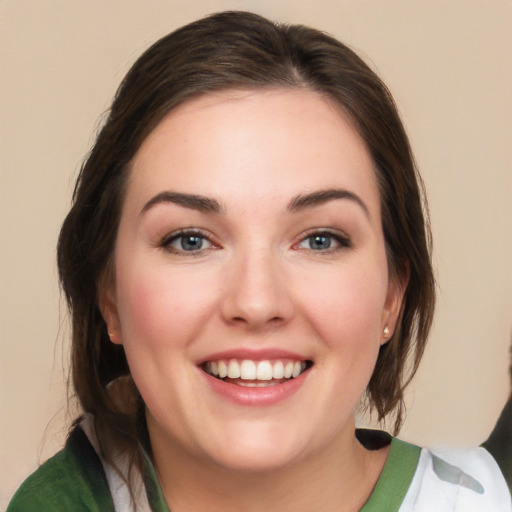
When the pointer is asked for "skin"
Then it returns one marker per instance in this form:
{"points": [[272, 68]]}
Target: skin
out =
{"points": [[256, 283]]}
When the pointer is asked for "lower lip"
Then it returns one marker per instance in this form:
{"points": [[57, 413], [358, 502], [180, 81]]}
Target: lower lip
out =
{"points": [[254, 396]]}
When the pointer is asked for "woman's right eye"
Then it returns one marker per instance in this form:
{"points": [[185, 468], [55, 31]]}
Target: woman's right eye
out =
{"points": [[187, 242]]}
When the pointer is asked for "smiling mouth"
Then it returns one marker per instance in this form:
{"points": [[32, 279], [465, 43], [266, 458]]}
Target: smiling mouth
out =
{"points": [[250, 373]]}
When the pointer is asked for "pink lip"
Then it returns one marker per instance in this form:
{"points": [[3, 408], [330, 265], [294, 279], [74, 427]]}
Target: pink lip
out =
{"points": [[246, 396], [255, 355]]}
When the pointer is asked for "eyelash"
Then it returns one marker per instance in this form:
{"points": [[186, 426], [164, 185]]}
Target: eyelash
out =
{"points": [[341, 241], [168, 240]]}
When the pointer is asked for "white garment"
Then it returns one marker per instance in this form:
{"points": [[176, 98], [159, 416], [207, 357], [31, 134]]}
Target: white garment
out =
{"points": [[457, 481], [117, 485]]}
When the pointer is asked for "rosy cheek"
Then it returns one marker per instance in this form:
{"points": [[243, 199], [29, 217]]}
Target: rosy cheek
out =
{"points": [[162, 307], [344, 305]]}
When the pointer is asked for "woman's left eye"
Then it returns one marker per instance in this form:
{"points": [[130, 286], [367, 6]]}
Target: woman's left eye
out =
{"points": [[324, 242], [187, 242]]}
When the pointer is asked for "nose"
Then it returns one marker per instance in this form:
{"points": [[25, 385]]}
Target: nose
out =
{"points": [[256, 293]]}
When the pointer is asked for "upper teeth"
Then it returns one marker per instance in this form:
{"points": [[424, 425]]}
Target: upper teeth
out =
{"points": [[248, 369]]}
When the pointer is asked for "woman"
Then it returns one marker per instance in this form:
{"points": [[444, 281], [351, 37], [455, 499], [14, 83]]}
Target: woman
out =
{"points": [[246, 259]]}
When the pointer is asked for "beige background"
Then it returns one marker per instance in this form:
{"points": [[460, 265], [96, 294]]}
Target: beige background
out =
{"points": [[449, 66]]}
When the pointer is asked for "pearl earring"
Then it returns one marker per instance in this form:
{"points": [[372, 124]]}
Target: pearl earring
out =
{"points": [[110, 334], [385, 331]]}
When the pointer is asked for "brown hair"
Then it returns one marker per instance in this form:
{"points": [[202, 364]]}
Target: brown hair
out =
{"points": [[239, 50]]}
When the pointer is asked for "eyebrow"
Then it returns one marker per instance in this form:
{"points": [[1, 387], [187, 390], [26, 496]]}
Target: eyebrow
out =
{"points": [[303, 201], [194, 202]]}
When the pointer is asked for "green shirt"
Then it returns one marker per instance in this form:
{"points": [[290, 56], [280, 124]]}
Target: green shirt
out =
{"points": [[413, 479]]}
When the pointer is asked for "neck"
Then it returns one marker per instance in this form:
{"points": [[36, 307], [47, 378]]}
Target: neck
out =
{"points": [[339, 478]]}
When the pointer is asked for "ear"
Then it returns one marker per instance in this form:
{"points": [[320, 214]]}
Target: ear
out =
{"points": [[108, 308], [393, 304]]}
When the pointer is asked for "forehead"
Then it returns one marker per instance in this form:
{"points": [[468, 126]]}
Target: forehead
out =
{"points": [[254, 144]]}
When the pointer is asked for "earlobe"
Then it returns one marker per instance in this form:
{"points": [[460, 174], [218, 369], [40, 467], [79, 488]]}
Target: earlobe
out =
{"points": [[108, 310], [114, 332], [393, 305]]}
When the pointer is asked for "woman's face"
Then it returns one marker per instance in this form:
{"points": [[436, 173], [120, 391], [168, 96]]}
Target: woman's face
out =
{"points": [[250, 243]]}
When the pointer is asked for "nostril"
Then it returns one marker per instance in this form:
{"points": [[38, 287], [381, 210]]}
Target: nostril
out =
{"points": [[257, 319]]}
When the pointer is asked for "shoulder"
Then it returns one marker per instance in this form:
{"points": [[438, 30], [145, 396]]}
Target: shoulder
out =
{"points": [[73, 479], [458, 481]]}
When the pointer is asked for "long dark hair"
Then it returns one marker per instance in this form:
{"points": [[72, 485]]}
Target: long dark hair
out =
{"points": [[238, 50]]}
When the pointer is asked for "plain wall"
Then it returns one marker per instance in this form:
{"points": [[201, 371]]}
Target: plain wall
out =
{"points": [[449, 66]]}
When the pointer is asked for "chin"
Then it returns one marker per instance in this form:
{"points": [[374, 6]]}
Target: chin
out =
{"points": [[259, 449], [256, 459]]}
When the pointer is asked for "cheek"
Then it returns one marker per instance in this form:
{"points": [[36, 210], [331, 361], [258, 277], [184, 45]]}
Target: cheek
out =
{"points": [[347, 305], [346, 313], [162, 306]]}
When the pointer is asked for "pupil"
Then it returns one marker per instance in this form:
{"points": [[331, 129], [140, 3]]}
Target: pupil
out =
{"points": [[191, 243], [320, 242]]}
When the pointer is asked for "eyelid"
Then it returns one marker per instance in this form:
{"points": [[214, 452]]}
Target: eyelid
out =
{"points": [[166, 241], [343, 240]]}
